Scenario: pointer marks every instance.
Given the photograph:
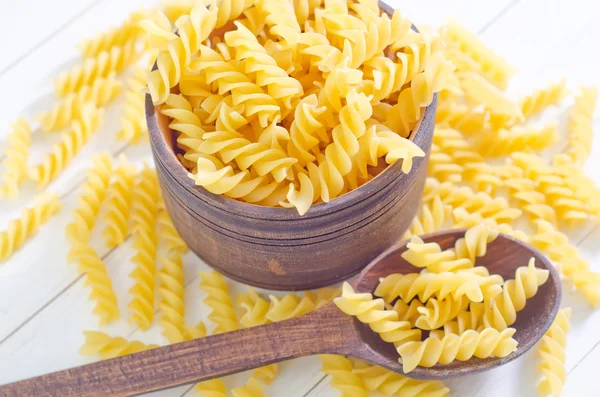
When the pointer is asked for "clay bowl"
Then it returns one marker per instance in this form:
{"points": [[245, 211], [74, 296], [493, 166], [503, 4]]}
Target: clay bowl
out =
{"points": [[275, 248]]}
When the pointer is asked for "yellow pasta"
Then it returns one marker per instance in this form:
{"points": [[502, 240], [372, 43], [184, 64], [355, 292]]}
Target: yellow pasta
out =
{"points": [[580, 126], [133, 122], [54, 162], [555, 244], [105, 346], [342, 377], [503, 142], [119, 204], [438, 312], [480, 92], [433, 350], [252, 388], [129, 30], [430, 218], [540, 99], [143, 217], [100, 92], [493, 67], [26, 226], [17, 156], [113, 60], [502, 312], [372, 312], [552, 350], [90, 201], [389, 383], [168, 234], [99, 282], [193, 28], [407, 286]]}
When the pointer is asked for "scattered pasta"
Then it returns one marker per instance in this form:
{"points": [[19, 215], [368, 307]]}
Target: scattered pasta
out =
{"points": [[552, 350], [15, 163]]}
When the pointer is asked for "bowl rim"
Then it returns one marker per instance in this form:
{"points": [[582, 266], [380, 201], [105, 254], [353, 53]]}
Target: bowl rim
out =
{"points": [[166, 156]]}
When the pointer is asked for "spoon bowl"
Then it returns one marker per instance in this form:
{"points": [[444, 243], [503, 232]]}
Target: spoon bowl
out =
{"points": [[325, 330], [504, 255]]}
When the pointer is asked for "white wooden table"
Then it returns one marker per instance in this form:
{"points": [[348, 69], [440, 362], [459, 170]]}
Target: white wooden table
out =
{"points": [[43, 302]]}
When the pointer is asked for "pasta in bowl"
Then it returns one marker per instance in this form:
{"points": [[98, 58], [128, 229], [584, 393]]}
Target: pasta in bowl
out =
{"points": [[273, 164]]}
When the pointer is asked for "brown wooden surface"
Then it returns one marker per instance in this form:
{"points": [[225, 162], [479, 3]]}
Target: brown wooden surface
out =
{"points": [[326, 330], [276, 248]]}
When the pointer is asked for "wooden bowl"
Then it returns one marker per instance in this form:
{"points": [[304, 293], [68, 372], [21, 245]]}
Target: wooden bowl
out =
{"points": [[275, 248]]}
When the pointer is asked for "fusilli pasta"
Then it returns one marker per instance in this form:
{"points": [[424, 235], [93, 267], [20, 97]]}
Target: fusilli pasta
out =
{"points": [[17, 156], [21, 229], [552, 350], [106, 346]]}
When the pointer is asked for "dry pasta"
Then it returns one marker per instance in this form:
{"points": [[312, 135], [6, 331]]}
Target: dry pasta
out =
{"points": [[100, 92], [21, 229], [389, 383], [90, 201], [15, 163], [342, 377], [54, 162], [433, 350], [133, 122], [552, 350], [118, 203], [106, 346]]}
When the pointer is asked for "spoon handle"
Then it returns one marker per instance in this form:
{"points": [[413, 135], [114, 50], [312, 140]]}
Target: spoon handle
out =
{"points": [[325, 330]]}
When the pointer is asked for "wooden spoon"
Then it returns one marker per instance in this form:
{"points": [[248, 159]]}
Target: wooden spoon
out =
{"points": [[326, 330]]}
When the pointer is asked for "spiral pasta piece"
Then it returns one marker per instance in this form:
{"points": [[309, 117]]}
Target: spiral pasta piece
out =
{"points": [[424, 85], [171, 292], [389, 383], [306, 130], [280, 17], [555, 244], [133, 121], [475, 242], [484, 344], [141, 305], [407, 311], [503, 142], [304, 9], [217, 179], [431, 257], [184, 121], [16, 162], [101, 92], [193, 29], [372, 312], [289, 306], [106, 346], [90, 201], [21, 229], [218, 299], [493, 67], [480, 92], [430, 218], [145, 201], [244, 92], [98, 280], [580, 125], [232, 145], [502, 312], [128, 31], [119, 204], [552, 350], [437, 312], [443, 167], [114, 60], [143, 219], [462, 118], [540, 99], [62, 154], [406, 286], [257, 62], [342, 377]]}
